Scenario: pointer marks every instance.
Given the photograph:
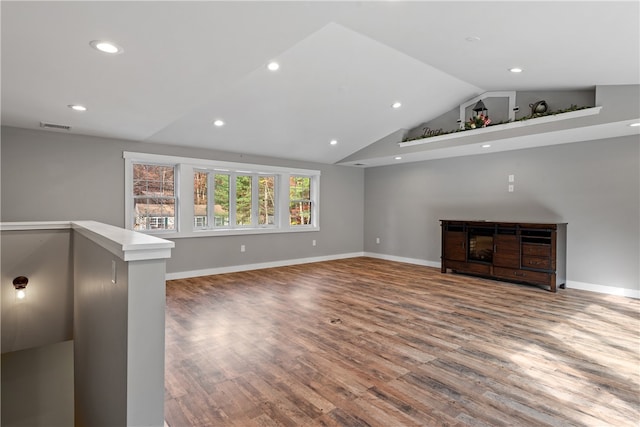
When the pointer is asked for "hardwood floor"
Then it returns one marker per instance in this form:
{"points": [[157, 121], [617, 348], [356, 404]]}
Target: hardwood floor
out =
{"points": [[366, 342]]}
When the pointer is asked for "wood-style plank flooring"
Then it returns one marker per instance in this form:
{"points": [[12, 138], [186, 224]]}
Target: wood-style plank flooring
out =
{"points": [[367, 342]]}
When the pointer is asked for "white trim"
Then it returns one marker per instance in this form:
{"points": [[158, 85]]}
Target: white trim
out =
{"points": [[35, 225], [210, 232], [501, 94], [511, 125], [245, 168], [609, 290], [258, 266], [570, 284], [184, 170], [126, 244], [415, 261]]}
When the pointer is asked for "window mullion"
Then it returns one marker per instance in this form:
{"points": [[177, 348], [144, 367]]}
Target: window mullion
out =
{"points": [[232, 200], [283, 201], [211, 203], [254, 200], [158, 210], [184, 210]]}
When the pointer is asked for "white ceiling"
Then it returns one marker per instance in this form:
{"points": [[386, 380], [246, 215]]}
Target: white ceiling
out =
{"points": [[343, 64]]}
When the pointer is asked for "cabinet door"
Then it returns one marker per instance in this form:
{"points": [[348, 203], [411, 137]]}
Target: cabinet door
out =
{"points": [[455, 247], [506, 251]]}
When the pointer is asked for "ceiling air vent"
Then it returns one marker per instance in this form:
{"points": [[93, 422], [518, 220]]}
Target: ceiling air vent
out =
{"points": [[54, 126], [359, 164]]}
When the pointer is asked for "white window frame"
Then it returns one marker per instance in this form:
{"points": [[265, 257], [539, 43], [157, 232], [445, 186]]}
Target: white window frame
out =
{"points": [[313, 198], [276, 190], [184, 175], [129, 197]]}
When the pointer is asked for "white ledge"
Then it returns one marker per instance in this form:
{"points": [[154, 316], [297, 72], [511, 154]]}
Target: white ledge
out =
{"points": [[511, 125], [126, 244], [35, 225]]}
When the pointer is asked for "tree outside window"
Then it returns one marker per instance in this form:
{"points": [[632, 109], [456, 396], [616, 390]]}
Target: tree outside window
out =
{"points": [[300, 207], [200, 199], [221, 208], [154, 198], [226, 198], [266, 200]]}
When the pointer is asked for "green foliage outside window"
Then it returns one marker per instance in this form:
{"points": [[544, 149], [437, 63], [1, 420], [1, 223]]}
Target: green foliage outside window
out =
{"points": [[300, 200], [266, 200], [243, 200], [221, 200]]}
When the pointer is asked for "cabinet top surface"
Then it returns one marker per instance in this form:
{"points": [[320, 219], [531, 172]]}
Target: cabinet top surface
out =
{"points": [[482, 222]]}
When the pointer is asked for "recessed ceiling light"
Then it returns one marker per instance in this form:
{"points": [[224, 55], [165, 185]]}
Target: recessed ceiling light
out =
{"points": [[635, 124], [273, 66], [473, 39], [398, 158], [218, 123], [333, 142], [515, 70], [77, 107], [396, 105], [105, 46], [486, 145]]}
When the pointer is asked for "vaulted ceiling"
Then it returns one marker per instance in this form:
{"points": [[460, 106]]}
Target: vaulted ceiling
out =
{"points": [[342, 66]]}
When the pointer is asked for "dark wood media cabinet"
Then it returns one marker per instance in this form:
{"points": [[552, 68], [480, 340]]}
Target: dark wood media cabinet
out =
{"points": [[532, 253]]}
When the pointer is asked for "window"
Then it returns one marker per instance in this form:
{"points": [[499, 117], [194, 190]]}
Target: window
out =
{"points": [[300, 207], [227, 198], [154, 198], [266, 200], [200, 199], [243, 200], [222, 198]]}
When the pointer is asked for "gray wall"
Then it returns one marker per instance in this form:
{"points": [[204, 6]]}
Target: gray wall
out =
{"points": [[145, 346], [593, 186], [100, 335], [48, 175], [118, 338], [46, 315], [37, 386]]}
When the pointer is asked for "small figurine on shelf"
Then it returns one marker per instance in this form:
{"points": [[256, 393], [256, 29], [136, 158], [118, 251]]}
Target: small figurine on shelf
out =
{"points": [[479, 121], [480, 117], [538, 108]]}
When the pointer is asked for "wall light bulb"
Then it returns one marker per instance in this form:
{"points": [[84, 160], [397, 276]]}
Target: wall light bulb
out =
{"points": [[20, 284]]}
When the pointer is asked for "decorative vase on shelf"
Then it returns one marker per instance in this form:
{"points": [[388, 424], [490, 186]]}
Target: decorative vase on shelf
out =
{"points": [[539, 107]]}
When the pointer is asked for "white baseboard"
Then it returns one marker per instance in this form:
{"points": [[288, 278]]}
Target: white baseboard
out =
{"points": [[610, 290], [571, 284], [257, 266], [403, 259]]}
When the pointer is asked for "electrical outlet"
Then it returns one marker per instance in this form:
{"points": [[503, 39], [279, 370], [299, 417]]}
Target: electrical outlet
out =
{"points": [[242, 248], [511, 188], [512, 178], [377, 240], [313, 242]]}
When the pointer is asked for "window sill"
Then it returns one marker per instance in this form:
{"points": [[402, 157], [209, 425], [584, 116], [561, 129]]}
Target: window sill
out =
{"points": [[229, 232]]}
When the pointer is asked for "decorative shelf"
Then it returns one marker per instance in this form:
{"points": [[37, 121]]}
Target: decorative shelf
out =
{"points": [[505, 126]]}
